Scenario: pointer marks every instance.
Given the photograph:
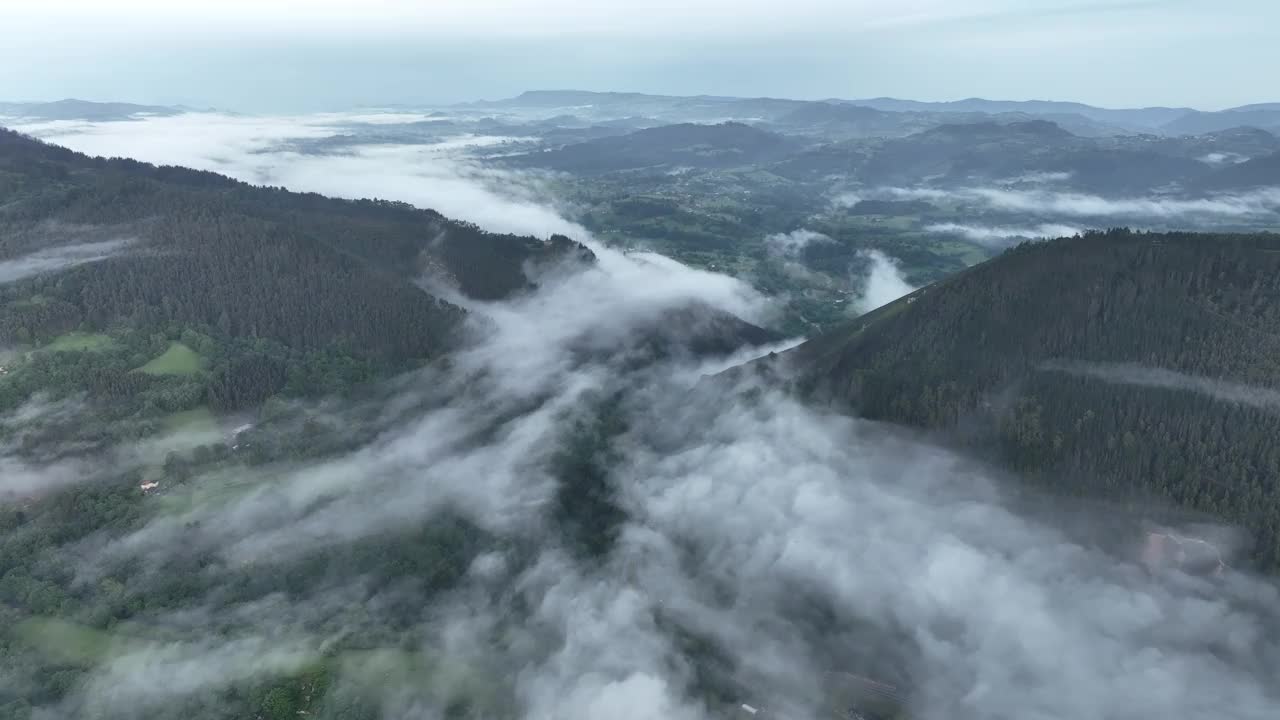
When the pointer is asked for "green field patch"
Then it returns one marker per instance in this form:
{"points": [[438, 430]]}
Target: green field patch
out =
{"points": [[80, 342], [64, 642], [198, 420], [177, 360]]}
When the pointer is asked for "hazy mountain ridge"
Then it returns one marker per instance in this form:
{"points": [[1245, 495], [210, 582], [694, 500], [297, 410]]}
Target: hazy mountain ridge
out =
{"points": [[1163, 120], [949, 153], [72, 109]]}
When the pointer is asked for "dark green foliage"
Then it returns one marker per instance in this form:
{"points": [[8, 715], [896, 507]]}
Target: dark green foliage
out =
{"points": [[586, 505], [270, 294], [968, 355]]}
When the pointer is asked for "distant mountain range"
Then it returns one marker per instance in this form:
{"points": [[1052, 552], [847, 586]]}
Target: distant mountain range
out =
{"points": [[1159, 120], [869, 116], [83, 110], [1134, 118], [950, 154]]}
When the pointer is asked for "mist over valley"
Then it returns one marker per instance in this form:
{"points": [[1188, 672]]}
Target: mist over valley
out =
{"points": [[583, 405]]}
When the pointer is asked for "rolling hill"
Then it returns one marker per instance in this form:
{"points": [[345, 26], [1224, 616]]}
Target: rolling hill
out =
{"points": [[250, 260], [272, 277], [683, 145], [72, 109], [1137, 367]]}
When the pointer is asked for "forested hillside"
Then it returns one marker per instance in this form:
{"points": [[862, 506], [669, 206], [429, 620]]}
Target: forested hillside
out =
{"points": [[173, 342], [1134, 366], [278, 281]]}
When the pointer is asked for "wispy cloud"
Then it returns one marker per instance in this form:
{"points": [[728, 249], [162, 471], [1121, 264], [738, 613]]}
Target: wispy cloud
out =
{"points": [[436, 174], [1254, 204], [58, 258], [1130, 374]]}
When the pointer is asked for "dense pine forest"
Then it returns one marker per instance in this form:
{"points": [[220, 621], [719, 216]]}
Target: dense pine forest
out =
{"points": [[282, 283], [1014, 357]]}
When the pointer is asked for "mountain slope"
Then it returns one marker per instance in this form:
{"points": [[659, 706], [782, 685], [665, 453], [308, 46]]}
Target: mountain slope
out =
{"points": [[284, 292], [272, 262], [961, 150], [1111, 364], [276, 284]]}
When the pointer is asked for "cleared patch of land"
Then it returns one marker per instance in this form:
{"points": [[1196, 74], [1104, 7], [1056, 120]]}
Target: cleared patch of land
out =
{"points": [[78, 341], [177, 360], [198, 420]]}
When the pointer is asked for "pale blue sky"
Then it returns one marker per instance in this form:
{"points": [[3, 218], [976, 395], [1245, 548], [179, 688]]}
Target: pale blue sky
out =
{"points": [[275, 55]]}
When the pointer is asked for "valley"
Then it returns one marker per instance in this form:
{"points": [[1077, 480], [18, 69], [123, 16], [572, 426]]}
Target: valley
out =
{"points": [[577, 404]]}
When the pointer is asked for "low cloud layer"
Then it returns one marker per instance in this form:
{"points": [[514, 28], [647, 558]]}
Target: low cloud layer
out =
{"points": [[792, 544], [437, 174], [1254, 204], [761, 546], [997, 236]]}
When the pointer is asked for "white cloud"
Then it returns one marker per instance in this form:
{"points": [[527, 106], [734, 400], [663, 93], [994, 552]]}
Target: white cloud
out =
{"points": [[1223, 158], [793, 242], [884, 283], [1001, 236], [254, 149], [1251, 204]]}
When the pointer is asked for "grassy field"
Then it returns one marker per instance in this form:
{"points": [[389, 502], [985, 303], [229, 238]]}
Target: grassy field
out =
{"points": [[178, 432], [177, 360], [79, 341], [199, 420]]}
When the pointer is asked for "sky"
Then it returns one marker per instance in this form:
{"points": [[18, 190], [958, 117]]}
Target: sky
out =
{"points": [[296, 55]]}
